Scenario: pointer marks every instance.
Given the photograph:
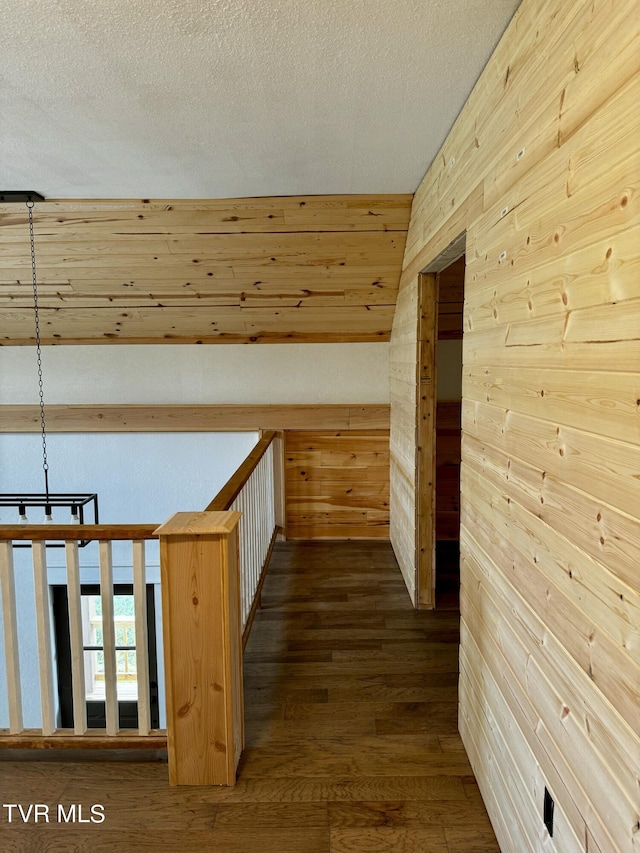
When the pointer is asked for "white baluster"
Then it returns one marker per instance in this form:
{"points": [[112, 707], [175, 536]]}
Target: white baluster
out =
{"points": [[108, 638], [43, 627], [142, 655], [242, 527], [11, 637], [75, 638]]}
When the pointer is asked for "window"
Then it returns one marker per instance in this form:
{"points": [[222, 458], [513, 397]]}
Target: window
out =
{"points": [[126, 656]]}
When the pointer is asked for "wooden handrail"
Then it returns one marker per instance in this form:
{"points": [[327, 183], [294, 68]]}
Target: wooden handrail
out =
{"points": [[70, 532], [232, 488]]}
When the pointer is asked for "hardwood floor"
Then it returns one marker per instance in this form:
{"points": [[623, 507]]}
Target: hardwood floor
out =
{"points": [[351, 737]]}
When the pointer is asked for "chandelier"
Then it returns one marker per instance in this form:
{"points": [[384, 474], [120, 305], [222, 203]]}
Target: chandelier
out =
{"points": [[77, 504]]}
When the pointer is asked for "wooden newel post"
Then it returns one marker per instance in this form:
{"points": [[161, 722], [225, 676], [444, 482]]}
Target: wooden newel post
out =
{"points": [[202, 633]]}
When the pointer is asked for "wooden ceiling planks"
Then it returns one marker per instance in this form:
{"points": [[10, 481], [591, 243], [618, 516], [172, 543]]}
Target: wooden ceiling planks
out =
{"points": [[285, 269]]}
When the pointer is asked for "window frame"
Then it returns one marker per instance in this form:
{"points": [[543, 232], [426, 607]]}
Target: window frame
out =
{"points": [[96, 711]]}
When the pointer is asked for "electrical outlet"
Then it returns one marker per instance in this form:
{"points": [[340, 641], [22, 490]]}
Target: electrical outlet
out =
{"points": [[548, 812]]}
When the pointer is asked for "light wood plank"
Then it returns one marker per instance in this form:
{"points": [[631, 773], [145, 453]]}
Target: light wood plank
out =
{"points": [[43, 627], [605, 534], [141, 636], [74, 599], [167, 324], [493, 673], [92, 739], [185, 418], [75, 532], [10, 625], [606, 469], [614, 821], [216, 271], [325, 500], [602, 403], [602, 272], [202, 647], [109, 639], [574, 626], [428, 324]]}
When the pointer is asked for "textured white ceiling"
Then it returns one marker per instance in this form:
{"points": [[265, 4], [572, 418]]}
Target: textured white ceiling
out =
{"points": [[233, 98]]}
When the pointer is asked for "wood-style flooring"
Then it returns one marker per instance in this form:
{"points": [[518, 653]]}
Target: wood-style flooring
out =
{"points": [[351, 736]]}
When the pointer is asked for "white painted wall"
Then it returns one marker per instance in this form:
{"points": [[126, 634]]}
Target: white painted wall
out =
{"points": [[141, 477], [260, 374]]}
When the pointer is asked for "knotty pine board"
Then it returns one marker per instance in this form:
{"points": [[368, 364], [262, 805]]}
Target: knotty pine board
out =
{"points": [[597, 529], [185, 418], [573, 619], [525, 779], [403, 360], [337, 484], [318, 268], [542, 170], [606, 469], [600, 739], [201, 324], [602, 402], [603, 596], [487, 664]]}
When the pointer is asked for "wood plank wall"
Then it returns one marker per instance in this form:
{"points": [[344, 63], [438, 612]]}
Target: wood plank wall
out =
{"points": [[337, 484], [298, 269], [403, 394], [542, 169]]}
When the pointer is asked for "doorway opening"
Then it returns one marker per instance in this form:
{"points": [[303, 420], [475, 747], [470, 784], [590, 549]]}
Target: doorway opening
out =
{"points": [[440, 332], [450, 285]]}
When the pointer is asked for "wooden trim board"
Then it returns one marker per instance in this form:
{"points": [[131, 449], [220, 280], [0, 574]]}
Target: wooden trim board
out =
{"points": [[197, 418], [426, 440]]}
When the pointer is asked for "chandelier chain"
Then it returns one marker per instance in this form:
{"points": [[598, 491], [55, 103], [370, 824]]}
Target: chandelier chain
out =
{"points": [[45, 464]]}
